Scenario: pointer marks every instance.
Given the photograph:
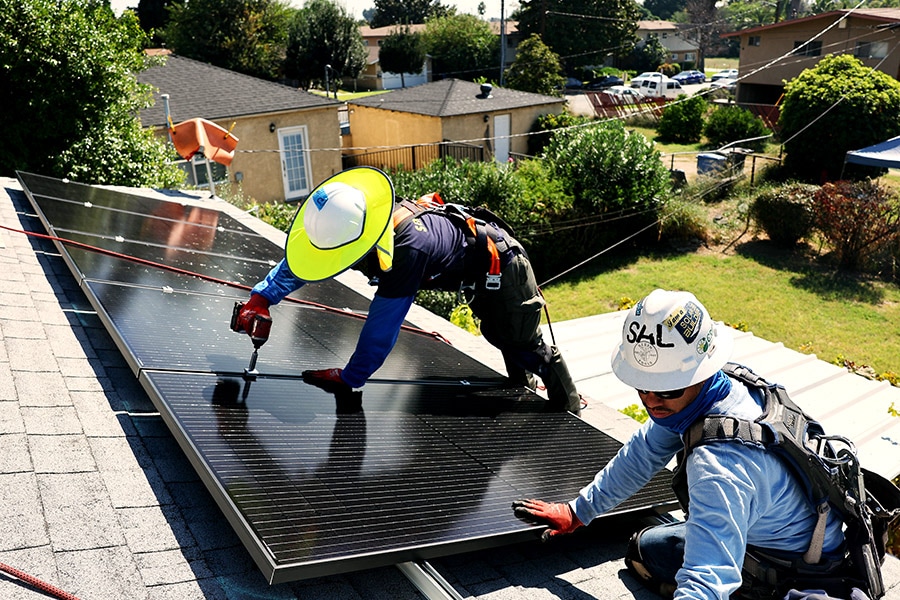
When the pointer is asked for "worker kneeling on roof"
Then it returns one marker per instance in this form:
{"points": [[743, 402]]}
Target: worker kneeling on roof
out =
{"points": [[416, 245], [751, 527]]}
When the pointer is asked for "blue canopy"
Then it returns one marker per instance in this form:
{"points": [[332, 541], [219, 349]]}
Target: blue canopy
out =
{"points": [[884, 154]]}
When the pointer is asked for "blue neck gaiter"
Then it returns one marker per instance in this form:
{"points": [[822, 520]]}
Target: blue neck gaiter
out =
{"points": [[716, 387]]}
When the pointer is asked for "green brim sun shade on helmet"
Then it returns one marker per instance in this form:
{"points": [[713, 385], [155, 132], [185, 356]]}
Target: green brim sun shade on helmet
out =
{"points": [[323, 242]]}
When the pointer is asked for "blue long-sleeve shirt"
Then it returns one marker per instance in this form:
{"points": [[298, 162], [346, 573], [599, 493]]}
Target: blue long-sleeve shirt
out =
{"points": [[429, 252], [739, 495]]}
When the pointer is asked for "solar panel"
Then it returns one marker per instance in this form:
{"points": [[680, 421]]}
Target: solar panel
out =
{"points": [[424, 463]]}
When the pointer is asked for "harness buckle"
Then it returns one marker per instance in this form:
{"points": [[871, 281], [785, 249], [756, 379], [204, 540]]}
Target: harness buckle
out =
{"points": [[492, 282], [466, 293]]}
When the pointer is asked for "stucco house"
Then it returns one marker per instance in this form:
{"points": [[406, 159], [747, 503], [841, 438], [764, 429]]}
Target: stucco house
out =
{"points": [[372, 77], [681, 51], [442, 117], [867, 34], [277, 126]]}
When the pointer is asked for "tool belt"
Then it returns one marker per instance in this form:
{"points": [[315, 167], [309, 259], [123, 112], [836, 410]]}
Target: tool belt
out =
{"points": [[770, 574]]}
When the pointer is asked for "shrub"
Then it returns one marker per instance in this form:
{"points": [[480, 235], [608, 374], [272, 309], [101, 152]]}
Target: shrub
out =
{"points": [[682, 121], [785, 213], [606, 168], [683, 220], [858, 219], [838, 105], [732, 123], [669, 69], [545, 124]]}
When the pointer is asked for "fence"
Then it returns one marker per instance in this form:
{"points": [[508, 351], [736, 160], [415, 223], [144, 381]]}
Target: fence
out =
{"points": [[415, 157]]}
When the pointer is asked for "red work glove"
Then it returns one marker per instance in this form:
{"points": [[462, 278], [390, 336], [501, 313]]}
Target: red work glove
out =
{"points": [[559, 518], [327, 379], [256, 305]]}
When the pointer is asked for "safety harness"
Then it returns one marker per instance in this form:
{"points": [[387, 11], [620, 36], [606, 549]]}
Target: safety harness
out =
{"points": [[830, 473], [479, 226]]}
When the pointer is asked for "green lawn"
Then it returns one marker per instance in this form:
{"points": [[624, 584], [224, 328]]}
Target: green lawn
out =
{"points": [[778, 298]]}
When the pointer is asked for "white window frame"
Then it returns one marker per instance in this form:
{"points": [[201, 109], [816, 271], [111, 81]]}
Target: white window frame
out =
{"points": [[296, 178], [197, 173]]}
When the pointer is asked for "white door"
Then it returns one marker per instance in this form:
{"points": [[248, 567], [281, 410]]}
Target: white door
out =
{"points": [[501, 138], [293, 144]]}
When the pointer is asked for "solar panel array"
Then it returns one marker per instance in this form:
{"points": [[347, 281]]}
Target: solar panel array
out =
{"points": [[423, 463]]}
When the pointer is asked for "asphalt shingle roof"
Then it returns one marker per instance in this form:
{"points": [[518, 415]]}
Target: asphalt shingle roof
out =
{"points": [[454, 97], [200, 90]]}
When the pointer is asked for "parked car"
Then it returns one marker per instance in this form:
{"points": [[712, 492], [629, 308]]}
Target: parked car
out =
{"points": [[727, 84], [690, 77], [624, 94], [603, 82], [636, 81], [725, 74], [661, 88], [573, 84]]}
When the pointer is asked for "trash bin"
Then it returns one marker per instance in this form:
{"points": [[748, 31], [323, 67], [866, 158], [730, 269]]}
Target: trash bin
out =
{"points": [[709, 163]]}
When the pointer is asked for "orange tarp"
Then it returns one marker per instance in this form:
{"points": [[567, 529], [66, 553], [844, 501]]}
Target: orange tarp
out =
{"points": [[216, 143]]}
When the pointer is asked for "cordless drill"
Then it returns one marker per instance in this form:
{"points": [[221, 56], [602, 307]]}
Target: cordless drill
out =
{"points": [[258, 328]]}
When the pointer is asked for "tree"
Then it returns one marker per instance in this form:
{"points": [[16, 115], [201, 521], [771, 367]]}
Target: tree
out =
{"points": [[664, 9], [70, 95], [322, 33], [581, 32], [407, 12], [402, 52], [646, 56], [535, 69], [154, 17], [247, 36], [462, 46], [838, 105]]}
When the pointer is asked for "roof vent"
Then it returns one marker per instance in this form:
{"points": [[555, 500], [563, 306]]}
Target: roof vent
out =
{"points": [[485, 90]]}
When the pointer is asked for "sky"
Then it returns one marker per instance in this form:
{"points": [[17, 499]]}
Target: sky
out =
{"points": [[356, 7]]}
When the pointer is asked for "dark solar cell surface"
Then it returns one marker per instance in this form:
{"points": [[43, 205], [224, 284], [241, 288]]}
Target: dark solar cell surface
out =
{"points": [[425, 463]]}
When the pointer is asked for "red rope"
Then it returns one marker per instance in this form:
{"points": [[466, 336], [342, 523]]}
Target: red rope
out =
{"points": [[37, 583], [233, 284]]}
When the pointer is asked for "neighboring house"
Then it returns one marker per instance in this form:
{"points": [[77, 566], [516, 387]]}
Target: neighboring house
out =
{"points": [[372, 77], [277, 126], [681, 51], [867, 34], [513, 38], [451, 116]]}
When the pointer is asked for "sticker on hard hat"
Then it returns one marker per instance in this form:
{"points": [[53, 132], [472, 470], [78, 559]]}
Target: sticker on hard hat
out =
{"points": [[686, 321], [645, 354], [706, 342]]}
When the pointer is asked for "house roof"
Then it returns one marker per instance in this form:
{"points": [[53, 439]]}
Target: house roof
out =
{"points": [[99, 500], [656, 25], [454, 97], [201, 90], [882, 15]]}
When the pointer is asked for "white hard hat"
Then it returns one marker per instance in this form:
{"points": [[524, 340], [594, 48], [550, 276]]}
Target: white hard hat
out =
{"points": [[670, 342], [335, 216]]}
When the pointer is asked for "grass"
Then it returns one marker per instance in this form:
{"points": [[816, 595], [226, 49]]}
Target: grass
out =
{"points": [[779, 296]]}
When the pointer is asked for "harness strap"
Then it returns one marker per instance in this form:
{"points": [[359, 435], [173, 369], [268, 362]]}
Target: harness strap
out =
{"points": [[814, 553]]}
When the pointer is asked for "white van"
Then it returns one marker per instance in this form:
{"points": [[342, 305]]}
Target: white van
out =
{"points": [[661, 87]]}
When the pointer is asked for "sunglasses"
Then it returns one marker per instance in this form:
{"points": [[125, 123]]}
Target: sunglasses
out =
{"points": [[667, 395]]}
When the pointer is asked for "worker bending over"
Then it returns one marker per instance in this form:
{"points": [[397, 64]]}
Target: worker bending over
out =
{"points": [[415, 245]]}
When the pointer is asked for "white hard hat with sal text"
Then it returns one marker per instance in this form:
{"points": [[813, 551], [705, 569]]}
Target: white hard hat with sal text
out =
{"points": [[670, 342]]}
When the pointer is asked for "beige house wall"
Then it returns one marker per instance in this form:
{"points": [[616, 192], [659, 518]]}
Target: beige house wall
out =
{"points": [[373, 127], [481, 126], [838, 40], [256, 166]]}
